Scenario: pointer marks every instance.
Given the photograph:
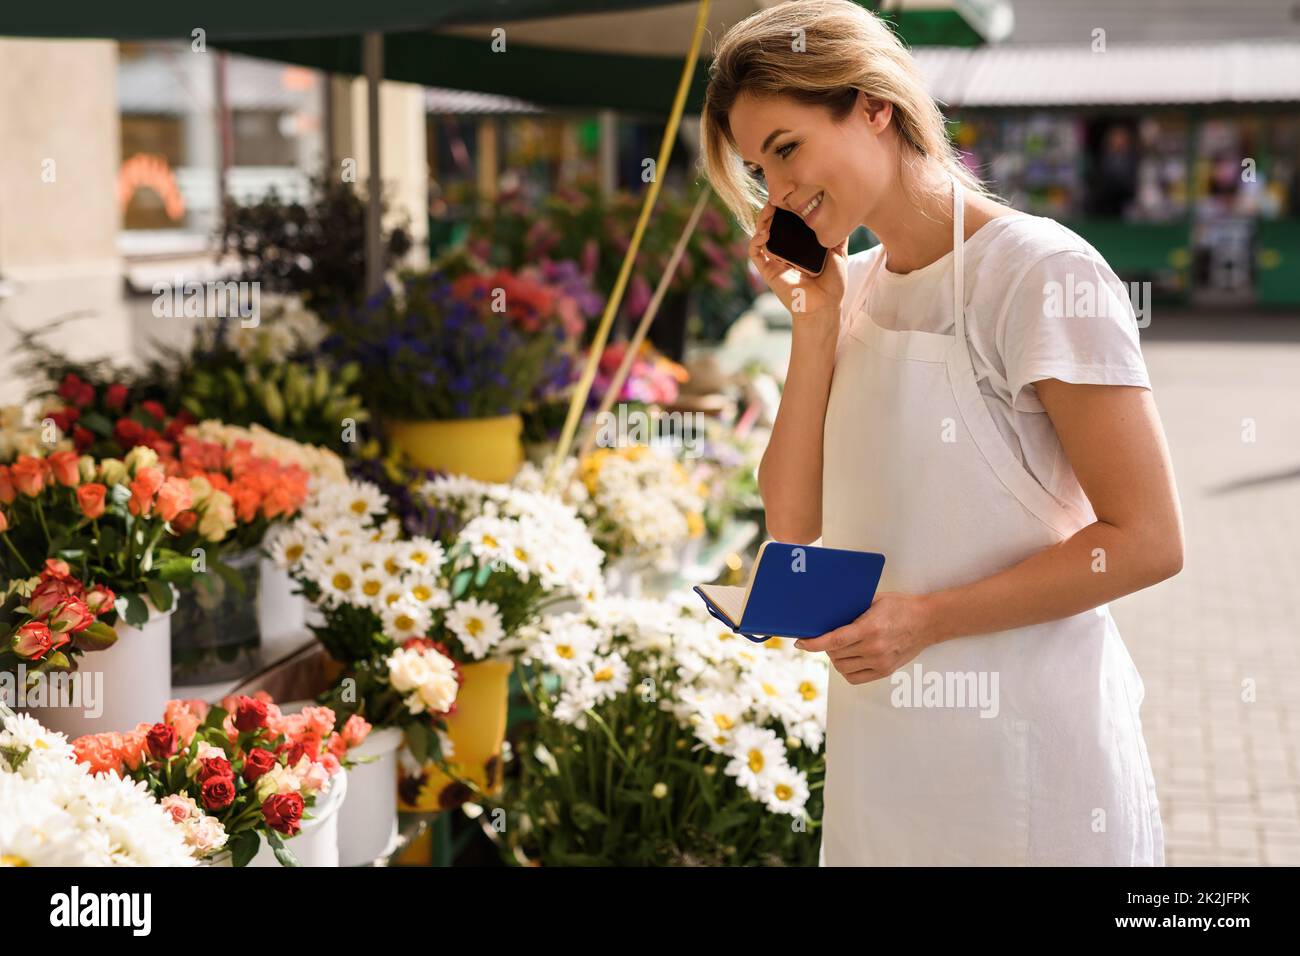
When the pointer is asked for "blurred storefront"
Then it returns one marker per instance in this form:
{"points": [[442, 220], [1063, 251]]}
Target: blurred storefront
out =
{"points": [[1179, 163]]}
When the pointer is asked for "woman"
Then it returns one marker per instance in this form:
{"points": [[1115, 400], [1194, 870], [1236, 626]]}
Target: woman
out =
{"points": [[948, 406]]}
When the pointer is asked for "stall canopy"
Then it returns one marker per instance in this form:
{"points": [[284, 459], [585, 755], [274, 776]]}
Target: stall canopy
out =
{"points": [[616, 54]]}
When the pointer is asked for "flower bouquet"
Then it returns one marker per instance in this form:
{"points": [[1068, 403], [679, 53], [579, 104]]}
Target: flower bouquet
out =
{"points": [[662, 738], [58, 813], [417, 622], [234, 775], [108, 419], [48, 621], [639, 504]]}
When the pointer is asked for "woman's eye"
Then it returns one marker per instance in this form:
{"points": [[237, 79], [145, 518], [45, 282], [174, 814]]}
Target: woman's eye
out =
{"points": [[785, 151]]}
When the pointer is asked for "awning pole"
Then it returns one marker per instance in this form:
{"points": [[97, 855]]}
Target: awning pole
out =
{"points": [[372, 59], [634, 343], [579, 399]]}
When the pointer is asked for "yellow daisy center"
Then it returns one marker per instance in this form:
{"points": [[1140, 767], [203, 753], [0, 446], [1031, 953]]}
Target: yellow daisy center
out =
{"points": [[422, 592], [342, 580], [783, 791], [490, 541], [372, 587], [391, 565], [293, 552], [756, 761], [475, 626], [564, 650], [768, 689], [404, 622], [420, 557], [359, 506], [604, 674], [808, 690], [723, 721]]}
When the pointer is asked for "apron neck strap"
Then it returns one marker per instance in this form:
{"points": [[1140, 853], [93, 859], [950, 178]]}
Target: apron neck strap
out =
{"points": [[958, 261]]}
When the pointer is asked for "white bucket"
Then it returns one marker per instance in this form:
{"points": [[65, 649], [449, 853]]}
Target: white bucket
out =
{"points": [[317, 843], [368, 820], [131, 681], [279, 610]]}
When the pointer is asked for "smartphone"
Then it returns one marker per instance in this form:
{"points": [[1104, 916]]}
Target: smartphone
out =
{"points": [[792, 241]]}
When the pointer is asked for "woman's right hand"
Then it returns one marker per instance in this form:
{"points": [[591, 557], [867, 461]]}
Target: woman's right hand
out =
{"points": [[799, 292]]}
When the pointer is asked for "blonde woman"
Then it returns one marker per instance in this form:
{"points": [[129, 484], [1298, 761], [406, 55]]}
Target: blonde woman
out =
{"points": [[1000, 448]]}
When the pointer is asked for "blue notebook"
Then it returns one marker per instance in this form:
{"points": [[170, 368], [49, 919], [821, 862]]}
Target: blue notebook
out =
{"points": [[797, 590]]}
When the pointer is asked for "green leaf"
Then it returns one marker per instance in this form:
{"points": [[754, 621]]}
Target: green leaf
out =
{"points": [[419, 744], [97, 423], [178, 571], [228, 574], [461, 583], [160, 593], [97, 637], [285, 856], [137, 612], [243, 847], [484, 573]]}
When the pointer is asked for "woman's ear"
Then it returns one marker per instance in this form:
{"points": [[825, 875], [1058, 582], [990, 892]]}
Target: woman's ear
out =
{"points": [[877, 111]]}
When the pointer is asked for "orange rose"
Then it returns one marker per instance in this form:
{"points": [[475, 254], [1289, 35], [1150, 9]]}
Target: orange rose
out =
{"points": [[65, 466], [143, 488], [90, 498], [30, 475], [174, 497], [7, 492]]}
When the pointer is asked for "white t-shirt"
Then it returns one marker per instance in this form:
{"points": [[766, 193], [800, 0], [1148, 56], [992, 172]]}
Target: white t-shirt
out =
{"points": [[1021, 328]]}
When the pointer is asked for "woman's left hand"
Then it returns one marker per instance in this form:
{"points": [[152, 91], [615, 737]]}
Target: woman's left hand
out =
{"points": [[890, 633]]}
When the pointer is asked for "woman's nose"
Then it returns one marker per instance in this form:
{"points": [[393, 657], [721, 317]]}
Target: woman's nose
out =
{"points": [[780, 191]]}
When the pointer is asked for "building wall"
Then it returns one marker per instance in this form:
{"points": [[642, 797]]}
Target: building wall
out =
{"points": [[58, 206]]}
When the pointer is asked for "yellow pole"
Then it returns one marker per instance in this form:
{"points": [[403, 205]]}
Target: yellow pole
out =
{"points": [[647, 205], [634, 344]]}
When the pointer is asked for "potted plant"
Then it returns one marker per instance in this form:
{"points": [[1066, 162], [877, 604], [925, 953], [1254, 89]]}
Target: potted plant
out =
{"points": [[247, 783], [448, 363]]}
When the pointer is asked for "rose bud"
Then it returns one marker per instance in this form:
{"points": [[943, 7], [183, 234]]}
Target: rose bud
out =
{"points": [[184, 522], [32, 641], [256, 763], [69, 387], [90, 499], [218, 792], [250, 714], [55, 568], [100, 600], [161, 741], [72, 616], [29, 475], [66, 468], [115, 396]]}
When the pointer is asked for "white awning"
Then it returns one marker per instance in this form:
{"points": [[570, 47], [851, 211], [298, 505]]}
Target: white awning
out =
{"points": [[1044, 75]]}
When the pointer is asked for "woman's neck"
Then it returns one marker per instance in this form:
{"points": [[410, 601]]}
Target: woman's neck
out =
{"points": [[913, 236]]}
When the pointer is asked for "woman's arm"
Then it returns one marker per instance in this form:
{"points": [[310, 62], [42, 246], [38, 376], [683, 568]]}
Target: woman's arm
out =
{"points": [[790, 474], [1112, 436]]}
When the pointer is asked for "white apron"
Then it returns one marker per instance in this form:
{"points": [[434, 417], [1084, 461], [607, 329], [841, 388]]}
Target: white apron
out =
{"points": [[1057, 773]]}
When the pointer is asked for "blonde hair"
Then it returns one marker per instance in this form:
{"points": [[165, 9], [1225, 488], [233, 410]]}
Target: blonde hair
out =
{"points": [[844, 49]]}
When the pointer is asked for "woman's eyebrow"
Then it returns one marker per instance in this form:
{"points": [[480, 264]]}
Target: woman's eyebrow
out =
{"points": [[771, 136]]}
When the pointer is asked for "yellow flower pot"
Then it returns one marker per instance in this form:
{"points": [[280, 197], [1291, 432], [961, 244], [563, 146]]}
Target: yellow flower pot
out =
{"points": [[488, 449], [477, 730]]}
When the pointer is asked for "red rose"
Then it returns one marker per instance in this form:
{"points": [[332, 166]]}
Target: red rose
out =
{"points": [[212, 767], [70, 387], [65, 417], [128, 432], [250, 713], [218, 792], [83, 438], [161, 741], [7, 490], [115, 397], [257, 762], [90, 498], [184, 522], [307, 744], [283, 812], [155, 409], [32, 641]]}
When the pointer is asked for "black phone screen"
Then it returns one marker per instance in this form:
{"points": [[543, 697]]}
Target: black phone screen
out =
{"points": [[791, 239]]}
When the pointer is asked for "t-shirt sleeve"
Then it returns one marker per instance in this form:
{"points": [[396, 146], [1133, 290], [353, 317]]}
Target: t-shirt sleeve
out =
{"points": [[1069, 318]]}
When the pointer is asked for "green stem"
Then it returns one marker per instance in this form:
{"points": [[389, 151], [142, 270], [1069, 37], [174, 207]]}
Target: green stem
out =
{"points": [[40, 514], [9, 541]]}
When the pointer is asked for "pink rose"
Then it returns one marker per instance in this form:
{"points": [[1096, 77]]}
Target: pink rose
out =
{"points": [[32, 641]]}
